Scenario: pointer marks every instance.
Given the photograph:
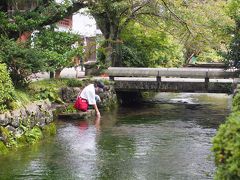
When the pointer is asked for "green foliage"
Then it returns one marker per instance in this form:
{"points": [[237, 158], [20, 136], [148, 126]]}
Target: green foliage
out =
{"points": [[33, 135], [3, 148], [198, 26], [8, 137], [74, 83], [233, 54], [49, 130], [57, 48], [207, 24], [233, 9], [21, 60], [70, 109], [51, 83], [209, 56], [49, 89], [102, 54], [20, 98], [57, 83], [226, 148], [29, 136], [49, 93], [46, 13], [236, 102], [6, 88], [21, 141], [145, 47]]}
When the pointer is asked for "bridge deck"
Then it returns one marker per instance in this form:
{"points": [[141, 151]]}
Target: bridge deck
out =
{"points": [[164, 79], [174, 79], [172, 72]]}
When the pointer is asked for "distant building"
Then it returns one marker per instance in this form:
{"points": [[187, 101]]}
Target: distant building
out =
{"points": [[86, 27]]}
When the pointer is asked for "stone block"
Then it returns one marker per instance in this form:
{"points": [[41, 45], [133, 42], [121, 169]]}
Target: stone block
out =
{"points": [[11, 129], [32, 109], [3, 120], [77, 115], [16, 118]]}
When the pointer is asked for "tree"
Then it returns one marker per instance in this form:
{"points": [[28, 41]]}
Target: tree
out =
{"points": [[57, 48], [233, 55], [208, 24], [113, 16], [193, 23], [21, 58], [46, 12], [148, 47]]}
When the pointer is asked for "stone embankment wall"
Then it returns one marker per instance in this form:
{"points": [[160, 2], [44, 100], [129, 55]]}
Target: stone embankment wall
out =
{"points": [[14, 124], [108, 98], [19, 126]]}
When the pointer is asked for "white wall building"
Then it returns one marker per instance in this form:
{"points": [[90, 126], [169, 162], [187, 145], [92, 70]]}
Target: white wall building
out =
{"points": [[85, 25]]}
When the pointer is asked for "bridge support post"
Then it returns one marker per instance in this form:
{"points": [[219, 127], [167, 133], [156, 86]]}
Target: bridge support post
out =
{"points": [[159, 80], [111, 78], [206, 81]]}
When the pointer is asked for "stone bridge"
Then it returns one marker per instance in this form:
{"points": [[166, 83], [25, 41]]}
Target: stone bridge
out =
{"points": [[211, 80]]}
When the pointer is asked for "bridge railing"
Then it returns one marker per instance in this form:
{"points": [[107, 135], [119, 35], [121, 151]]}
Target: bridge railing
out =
{"points": [[206, 73], [172, 79]]}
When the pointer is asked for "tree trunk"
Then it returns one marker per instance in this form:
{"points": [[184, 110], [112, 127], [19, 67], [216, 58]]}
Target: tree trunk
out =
{"points": [[112, 45], [51, 75], [116, 55], [57, 73]]}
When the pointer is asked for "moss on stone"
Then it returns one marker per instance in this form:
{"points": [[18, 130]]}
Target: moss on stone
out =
{"points": [[5, 132], [49, 130], [8, 137], [111, 104], [3, 148], [33, 135], [21, 141]]}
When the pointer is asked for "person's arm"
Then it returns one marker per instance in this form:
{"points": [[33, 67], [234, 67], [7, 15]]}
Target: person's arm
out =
{"points": [[97, 111]]}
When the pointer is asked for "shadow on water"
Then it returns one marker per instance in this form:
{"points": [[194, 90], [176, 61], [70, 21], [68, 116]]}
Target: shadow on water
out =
{"points": [[152, 140]]}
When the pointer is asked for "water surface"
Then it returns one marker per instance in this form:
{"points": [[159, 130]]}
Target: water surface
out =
{"points": [[168, 138]]}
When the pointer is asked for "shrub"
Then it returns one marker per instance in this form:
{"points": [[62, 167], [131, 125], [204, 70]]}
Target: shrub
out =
{"points": [[226, 148], [74, 83], [20, 98], [236, 102], [33, 135], [22, 59], [6, 88], [49, 93]]}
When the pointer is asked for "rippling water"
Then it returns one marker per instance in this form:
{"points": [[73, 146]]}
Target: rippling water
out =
{"points": [[155, 140]]}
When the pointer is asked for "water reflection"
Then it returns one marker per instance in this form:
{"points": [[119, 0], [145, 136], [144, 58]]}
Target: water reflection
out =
{"points": [[151, 141]]}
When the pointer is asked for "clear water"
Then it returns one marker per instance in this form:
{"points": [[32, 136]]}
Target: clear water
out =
{"points": [[149, 141]]}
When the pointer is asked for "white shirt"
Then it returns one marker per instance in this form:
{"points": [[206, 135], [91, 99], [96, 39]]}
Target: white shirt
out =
{"points": [[88, 93]]}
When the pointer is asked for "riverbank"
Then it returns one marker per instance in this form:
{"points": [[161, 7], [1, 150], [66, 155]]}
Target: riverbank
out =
{"points": [[52, 100]]}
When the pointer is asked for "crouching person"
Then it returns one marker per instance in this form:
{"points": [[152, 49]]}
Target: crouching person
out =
{"points": [[89, 96]]}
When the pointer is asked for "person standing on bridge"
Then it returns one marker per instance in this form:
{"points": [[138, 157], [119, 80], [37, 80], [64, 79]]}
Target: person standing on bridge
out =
{"points": [[89, 96]]}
